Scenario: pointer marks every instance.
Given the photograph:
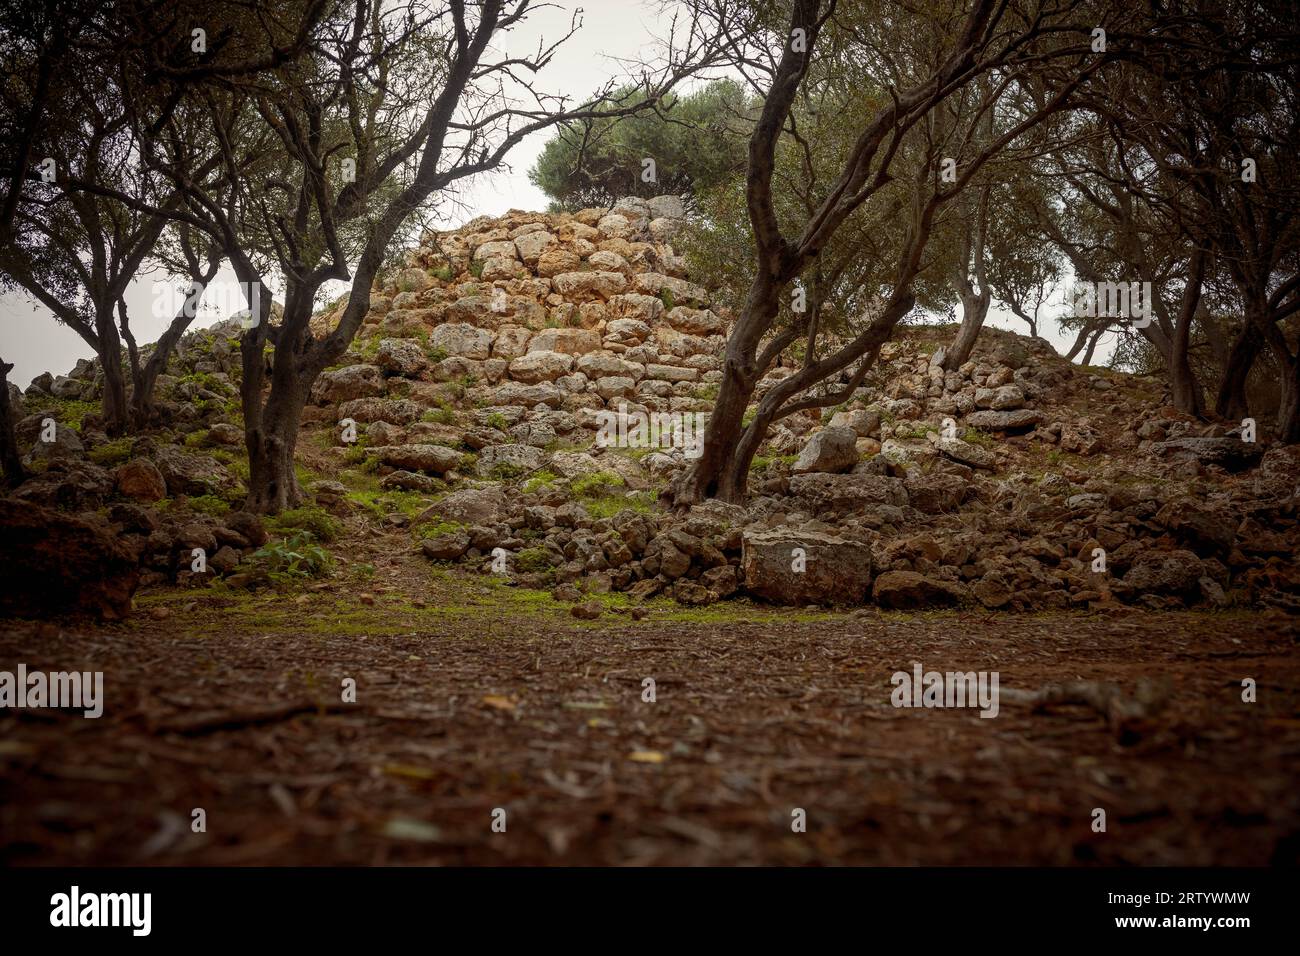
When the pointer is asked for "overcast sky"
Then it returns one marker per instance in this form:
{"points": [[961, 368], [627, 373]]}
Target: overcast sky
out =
{"points": [[612, 31]]}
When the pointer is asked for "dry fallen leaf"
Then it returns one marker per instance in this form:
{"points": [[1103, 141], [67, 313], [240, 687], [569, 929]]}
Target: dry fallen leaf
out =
{"points": [[646, 756], [409, 770], [407, 828]]}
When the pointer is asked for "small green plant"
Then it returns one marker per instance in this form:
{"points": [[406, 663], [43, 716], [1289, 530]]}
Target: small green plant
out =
{"points": [[476, 268], [443, 273], [533, 560], [319, 523], [292, 559], [666, 297], [111, 453], [209, 505], [498, 421], [598, 485], [541, 479], [439, 416], [435, 529]]}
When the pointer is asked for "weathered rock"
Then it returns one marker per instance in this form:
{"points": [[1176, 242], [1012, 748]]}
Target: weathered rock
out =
{"points": [[793, 566], [397, 411], [1005, 421], [470, 506], [1164, 572], [409, 481], [568, 341], [462, 339], [140, 479], [446, 547], [347, 383], [934, 494], [434, 459], [1231, 452], [518, 459], [55, 564], [577, 284], [401, 357], [187, 474], [1003, 398], [964, 452], [907, 590], [538, 366], [1199, 525], [847, 492], [831, 450]]}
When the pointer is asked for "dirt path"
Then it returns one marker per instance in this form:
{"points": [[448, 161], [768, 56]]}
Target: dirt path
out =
{"points": [[472, 697]]}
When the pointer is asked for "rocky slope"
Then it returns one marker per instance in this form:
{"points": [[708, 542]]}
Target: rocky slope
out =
{"points": [[488, 363]]}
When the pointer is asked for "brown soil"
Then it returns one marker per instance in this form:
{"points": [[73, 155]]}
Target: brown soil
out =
{"points": [[472, 697]]}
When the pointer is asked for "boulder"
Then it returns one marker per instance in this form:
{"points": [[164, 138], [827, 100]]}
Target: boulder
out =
{"points": [[1175, 573], [446, 547], [964, 452], [594, 283], [847, 492], [398, 411], [569, 341], [401, 357], [907, 590], [187, 474], [471, 506], [540, 366], [798, 567], [56, 563], [832, 450], [1005, 421], [347, 383], [462, 339], [512, 458], [434, 459], [140, 479], [1231, 452]]}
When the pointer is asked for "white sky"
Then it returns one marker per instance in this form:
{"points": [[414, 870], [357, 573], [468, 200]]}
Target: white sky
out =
{"points": [[612, 30]]}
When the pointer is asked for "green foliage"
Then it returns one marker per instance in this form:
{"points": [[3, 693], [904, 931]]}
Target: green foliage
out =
{"points": [[596, 486], [435, 529], [666, 297], [309, 518], [293, 559], [444, 414], [498, 421], [697, 141], [111, 452], [610, 505], [476, 268], [533, 560], [539, 480], [213, 505], [69, 411]]}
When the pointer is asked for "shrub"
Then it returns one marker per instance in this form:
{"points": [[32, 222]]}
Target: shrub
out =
{"points": [[321, 525], [295, 558], [596, 486], [532, 560], [111, 453], [540, 480]]}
